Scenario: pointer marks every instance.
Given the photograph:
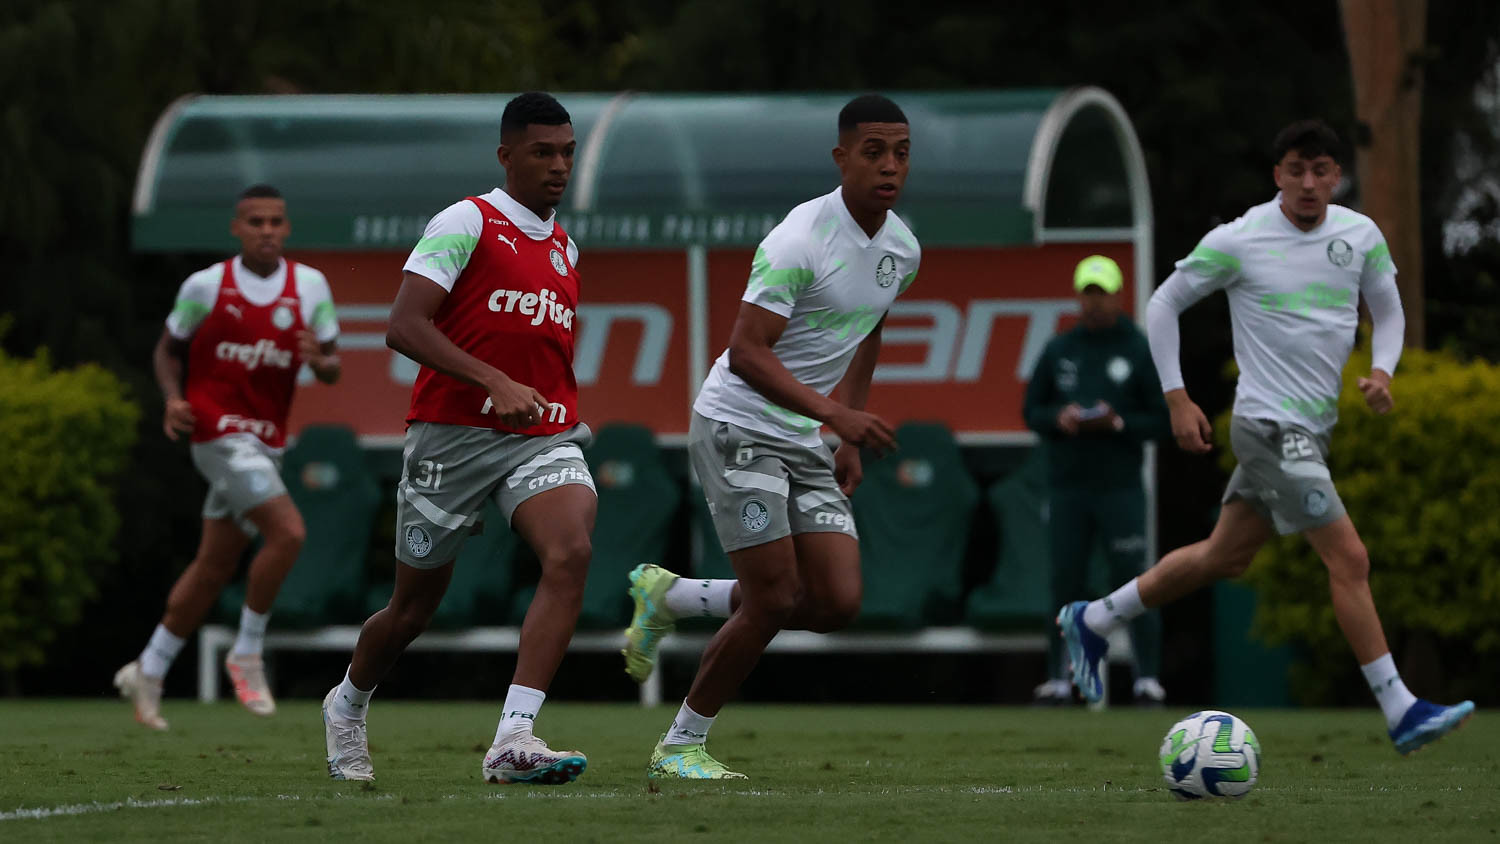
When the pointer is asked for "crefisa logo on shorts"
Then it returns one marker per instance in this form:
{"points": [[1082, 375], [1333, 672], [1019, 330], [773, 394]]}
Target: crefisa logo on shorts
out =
{"points": [[1315, 502], [417, 541], [755, 515]]}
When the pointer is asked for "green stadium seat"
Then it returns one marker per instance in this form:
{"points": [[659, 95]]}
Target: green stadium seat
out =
{"points": [[914, 509], [482, 576], [330, 482], [1019, 593], [638, 498]]}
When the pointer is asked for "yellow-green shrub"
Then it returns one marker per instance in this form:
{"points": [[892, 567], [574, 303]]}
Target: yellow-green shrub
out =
{"points": [[64, 436], [1422, 485]]}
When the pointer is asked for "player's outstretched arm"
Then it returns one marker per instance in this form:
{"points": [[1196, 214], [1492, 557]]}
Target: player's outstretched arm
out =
{"points": [[412, 333], [756, 331], [167, 362]]}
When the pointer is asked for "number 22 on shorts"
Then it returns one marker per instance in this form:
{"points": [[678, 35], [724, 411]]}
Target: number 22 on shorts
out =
{"points": [[1297, 446]]}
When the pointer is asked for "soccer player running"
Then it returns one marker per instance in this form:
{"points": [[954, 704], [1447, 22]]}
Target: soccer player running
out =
{"points": [[241, 330], [808, 327], [487, 306], [1293, 269]]}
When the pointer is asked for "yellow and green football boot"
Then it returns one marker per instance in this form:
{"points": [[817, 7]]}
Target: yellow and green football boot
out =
{"points": [[650, 621], [688, 762]]}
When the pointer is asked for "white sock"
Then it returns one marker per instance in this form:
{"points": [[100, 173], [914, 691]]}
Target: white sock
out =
{"points": [[689, 598], [1390, 692], [350, 703], [159, 653], [252, 633], [521, 706], [688, 727], [1114, 609]]}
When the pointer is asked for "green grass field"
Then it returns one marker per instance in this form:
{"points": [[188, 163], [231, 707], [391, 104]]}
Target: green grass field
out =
{"points": [[82, 770]]}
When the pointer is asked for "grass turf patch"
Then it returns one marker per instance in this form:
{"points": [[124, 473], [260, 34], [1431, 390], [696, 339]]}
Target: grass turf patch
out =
{"points": [[83, 770]]}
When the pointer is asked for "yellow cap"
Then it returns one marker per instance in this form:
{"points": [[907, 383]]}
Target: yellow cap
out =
{"points": [[1098, 270]]}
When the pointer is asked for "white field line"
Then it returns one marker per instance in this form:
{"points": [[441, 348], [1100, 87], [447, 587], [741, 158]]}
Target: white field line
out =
{"points": [[96, 807]]}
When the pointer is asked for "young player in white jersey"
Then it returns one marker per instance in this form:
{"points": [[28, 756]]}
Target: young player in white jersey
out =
{"points": [[800, 356], [240, 331], [1294, 270]]}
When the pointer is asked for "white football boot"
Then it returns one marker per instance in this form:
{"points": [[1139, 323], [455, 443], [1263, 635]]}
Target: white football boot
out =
{"points": [[144, 692], [347, 744], [526, 758], [248, 674]]}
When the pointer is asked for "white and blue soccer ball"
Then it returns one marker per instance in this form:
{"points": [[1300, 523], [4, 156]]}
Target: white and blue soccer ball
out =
{"points": [[1210, 754]]}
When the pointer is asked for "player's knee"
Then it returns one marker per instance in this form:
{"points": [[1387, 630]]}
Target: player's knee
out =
{"points": [[1234, 564], [411, 617], [836, 612], [568, 558], [772, 604], [288, 535], [1350, 564]]}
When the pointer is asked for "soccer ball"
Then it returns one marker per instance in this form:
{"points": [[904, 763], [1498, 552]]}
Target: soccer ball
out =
{"points": [[1210, 754]]}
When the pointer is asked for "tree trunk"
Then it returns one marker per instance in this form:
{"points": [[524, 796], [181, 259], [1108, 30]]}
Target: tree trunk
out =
{"points": [[1386, 47]]}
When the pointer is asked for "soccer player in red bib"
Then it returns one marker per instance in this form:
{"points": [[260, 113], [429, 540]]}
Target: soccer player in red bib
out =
{"points": [[241, 330], [488, 306]]}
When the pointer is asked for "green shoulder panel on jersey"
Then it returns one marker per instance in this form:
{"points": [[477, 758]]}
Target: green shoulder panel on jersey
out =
{"points": [[906, 236], [447, 251], [322, 315], [190, 312], [1211, 263], [785, 284], [906, 282], [1379, 259]]}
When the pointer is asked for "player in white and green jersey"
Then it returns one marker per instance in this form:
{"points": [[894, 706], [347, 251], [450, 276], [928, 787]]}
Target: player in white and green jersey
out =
{"points": [[1294, 270], [800, 357]]}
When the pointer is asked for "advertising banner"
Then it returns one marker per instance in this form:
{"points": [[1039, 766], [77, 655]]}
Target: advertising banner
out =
{"points": [[958, 346]]}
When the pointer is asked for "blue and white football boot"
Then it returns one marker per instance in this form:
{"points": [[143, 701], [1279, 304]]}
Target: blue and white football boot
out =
{"points": [[1086, 651], [1426, 722]]}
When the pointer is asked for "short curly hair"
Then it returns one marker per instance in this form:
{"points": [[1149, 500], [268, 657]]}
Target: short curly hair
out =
{"points": [[529, 108]]}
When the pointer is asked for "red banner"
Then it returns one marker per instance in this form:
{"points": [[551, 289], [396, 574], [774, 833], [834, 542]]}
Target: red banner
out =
{"points": [[956, 348]]}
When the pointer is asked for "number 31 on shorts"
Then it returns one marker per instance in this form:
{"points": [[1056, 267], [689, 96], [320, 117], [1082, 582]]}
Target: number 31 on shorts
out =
{"points": [[431, 477]]}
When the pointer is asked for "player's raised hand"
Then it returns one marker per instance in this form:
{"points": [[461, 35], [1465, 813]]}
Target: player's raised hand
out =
{"points": [[178, 418], [517, 405], [1189, 426], [866, 429], [848, 471], [1377, 391]]}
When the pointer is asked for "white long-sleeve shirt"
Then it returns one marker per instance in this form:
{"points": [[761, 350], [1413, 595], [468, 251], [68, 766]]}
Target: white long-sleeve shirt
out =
{"points": [[1293, 305]]}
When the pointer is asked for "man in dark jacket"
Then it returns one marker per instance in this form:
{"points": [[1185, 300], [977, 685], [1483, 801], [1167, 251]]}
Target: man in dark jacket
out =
{"points": [[1095, 400]]}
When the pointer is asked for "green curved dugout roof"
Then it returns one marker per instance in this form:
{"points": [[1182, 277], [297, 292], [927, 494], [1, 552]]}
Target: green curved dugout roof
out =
{"points": [[989, 168]]}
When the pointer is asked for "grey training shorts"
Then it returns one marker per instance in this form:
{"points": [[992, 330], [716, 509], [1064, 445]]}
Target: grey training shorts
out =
{"points": [[761, 488], [242, 473], [1283, 473], [448, 471]]}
